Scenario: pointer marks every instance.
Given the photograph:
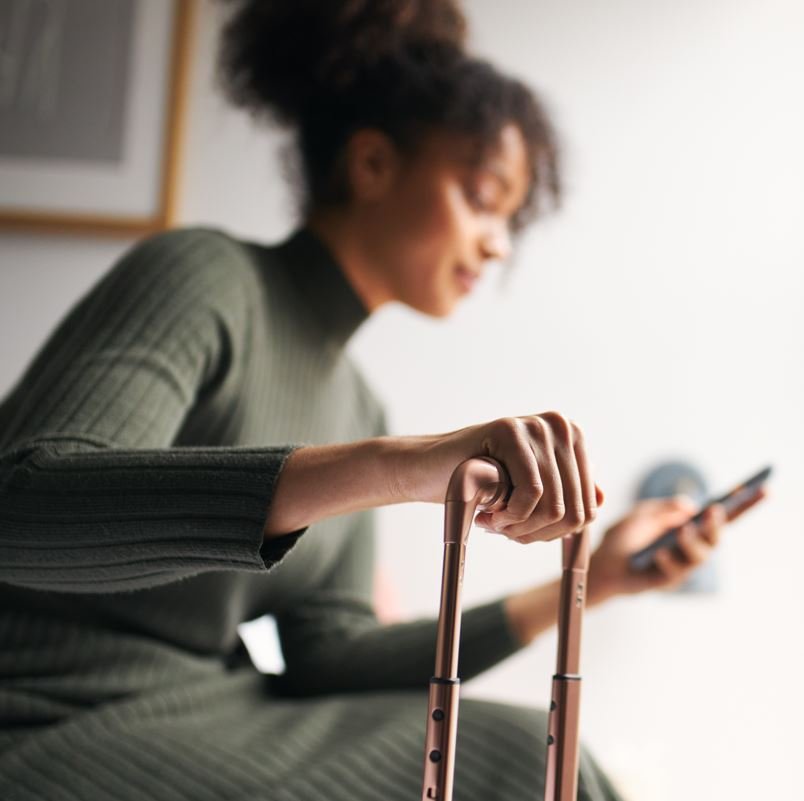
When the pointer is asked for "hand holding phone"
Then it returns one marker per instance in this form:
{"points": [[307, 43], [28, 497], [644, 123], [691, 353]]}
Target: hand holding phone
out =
{"points": [[732, 502]]}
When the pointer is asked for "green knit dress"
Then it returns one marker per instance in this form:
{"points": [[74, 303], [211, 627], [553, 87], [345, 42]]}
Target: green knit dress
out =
{"points": [[138, 457]]}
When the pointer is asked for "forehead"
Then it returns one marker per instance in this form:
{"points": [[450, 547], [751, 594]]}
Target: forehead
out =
{"points": [[506, 157]]}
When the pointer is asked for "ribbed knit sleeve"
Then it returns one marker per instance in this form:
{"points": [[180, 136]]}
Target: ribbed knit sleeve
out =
{"points": [[93, 497]]}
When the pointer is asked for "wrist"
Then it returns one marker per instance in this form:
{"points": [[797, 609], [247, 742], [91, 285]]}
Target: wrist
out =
{"points": [[319, 482], [423, 465], [599, 589], [404, 460]]}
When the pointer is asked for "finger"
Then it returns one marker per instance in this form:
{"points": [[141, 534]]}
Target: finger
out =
{"points": [[527, 481], [535, 513], [543, 535], [691, 549], [567, 513], [523, 441], [546, 518], [540, 525], [482, 520], [588, 487], [670, 507], [667, 565], [711, 526], [575, 505], [600, 496]]}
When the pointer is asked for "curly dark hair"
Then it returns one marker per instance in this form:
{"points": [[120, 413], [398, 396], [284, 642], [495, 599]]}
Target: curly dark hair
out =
{"points": [[326, 68]]}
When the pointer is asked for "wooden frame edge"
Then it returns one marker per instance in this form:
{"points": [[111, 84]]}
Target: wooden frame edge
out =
{"points": [[171, 157]]}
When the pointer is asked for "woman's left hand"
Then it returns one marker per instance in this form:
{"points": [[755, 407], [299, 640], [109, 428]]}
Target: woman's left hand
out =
{"points": [[533, 610], [609, 571]]}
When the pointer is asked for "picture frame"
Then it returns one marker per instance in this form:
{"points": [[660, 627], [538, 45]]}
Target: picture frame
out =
{"points": [[93, 99]]}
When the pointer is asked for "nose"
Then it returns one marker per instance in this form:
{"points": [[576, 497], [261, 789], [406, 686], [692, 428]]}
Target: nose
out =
{"points": [[496, 242]]}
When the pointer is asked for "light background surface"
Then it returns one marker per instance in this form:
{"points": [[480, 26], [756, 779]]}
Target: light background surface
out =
{"points": [[661, 309]]}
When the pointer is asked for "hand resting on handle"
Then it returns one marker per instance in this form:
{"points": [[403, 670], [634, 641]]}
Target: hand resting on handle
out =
{"points": [[545, 455]]}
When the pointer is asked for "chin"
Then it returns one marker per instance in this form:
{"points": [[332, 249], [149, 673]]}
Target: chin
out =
{"points": [[436, 307], [430, 298]]}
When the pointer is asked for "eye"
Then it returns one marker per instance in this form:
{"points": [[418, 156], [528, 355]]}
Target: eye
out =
{"points": [[481, 195], [475, 199]]}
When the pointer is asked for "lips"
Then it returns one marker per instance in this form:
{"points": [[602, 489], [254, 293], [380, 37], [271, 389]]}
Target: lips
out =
{"points": [[466, 278]]}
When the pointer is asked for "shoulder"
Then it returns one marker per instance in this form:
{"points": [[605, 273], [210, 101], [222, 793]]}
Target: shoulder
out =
{"points": [[189, 251], [195, 267]]}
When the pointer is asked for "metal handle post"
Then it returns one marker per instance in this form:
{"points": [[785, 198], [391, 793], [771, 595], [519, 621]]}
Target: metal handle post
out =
{"points": [[476, 483], [563, 742]]}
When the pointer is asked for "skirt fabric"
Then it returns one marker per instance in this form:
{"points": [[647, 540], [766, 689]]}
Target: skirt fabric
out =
{"points": [[230, 737]]}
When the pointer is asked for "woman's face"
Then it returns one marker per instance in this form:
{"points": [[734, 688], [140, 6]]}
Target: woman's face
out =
{"points": [[446, 216]]}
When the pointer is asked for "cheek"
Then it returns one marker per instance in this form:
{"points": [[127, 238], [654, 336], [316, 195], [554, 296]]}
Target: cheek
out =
{"points": [[439, 223], [439, 229]]}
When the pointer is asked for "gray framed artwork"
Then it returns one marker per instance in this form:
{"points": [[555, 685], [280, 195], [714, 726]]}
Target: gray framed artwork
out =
{"points": [[92, 96]]}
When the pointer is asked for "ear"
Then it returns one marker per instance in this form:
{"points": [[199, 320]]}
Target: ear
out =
{"points": [[372, 164]]}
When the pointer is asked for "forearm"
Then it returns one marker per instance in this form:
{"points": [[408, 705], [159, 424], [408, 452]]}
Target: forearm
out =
{"points": [[318, 482], [119, 519], [533, 611], [342, 650]]}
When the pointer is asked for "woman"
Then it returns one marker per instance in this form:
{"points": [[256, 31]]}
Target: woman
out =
{"points": [[194, 414]]}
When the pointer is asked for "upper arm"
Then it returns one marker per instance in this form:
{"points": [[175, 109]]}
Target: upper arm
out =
{"points": [[129, 359]]}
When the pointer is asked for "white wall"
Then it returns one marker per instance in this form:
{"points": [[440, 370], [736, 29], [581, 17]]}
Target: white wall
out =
{"points": [[661, 309]]}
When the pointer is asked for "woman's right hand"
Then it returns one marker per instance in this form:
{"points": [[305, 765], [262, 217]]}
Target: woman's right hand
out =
{"points": [[545, 455]]}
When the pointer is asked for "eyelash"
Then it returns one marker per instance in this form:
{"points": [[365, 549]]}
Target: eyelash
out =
{"points": [[476, 202], [475, 199]]}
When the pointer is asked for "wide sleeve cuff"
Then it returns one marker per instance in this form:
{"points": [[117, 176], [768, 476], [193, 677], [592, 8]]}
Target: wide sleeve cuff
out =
{"points": [[76, 517]]}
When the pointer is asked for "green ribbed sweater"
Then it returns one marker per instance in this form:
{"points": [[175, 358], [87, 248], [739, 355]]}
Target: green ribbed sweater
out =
{"points": [[138, 457]]}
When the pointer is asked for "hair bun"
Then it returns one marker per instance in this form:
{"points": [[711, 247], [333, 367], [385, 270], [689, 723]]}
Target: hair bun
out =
{"points": [[282, 56]]}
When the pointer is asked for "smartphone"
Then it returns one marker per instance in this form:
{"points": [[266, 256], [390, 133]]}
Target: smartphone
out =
{"points": [[643, 559]]}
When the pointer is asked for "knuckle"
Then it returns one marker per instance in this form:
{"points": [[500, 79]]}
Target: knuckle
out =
{"points": [[507, 429], [556, 418], [561, 428], [550, 415], [533, 488], [555, 511], [575, 516], [536, 427]]}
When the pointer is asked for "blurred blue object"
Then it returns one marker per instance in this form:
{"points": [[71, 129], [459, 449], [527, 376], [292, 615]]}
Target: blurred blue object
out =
{"points": [[682, 478]]}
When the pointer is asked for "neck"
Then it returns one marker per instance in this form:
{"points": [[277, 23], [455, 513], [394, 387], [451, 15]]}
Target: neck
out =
{"points": [[343, 237]]}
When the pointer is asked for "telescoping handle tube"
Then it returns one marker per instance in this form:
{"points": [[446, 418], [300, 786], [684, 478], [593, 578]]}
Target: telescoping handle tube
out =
{"points": [[482, 483], [563, 743]]}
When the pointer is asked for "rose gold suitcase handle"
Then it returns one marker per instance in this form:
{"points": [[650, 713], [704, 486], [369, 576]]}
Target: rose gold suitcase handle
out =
{"points": [[483, 483], [563, 743], [476, 483]]}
